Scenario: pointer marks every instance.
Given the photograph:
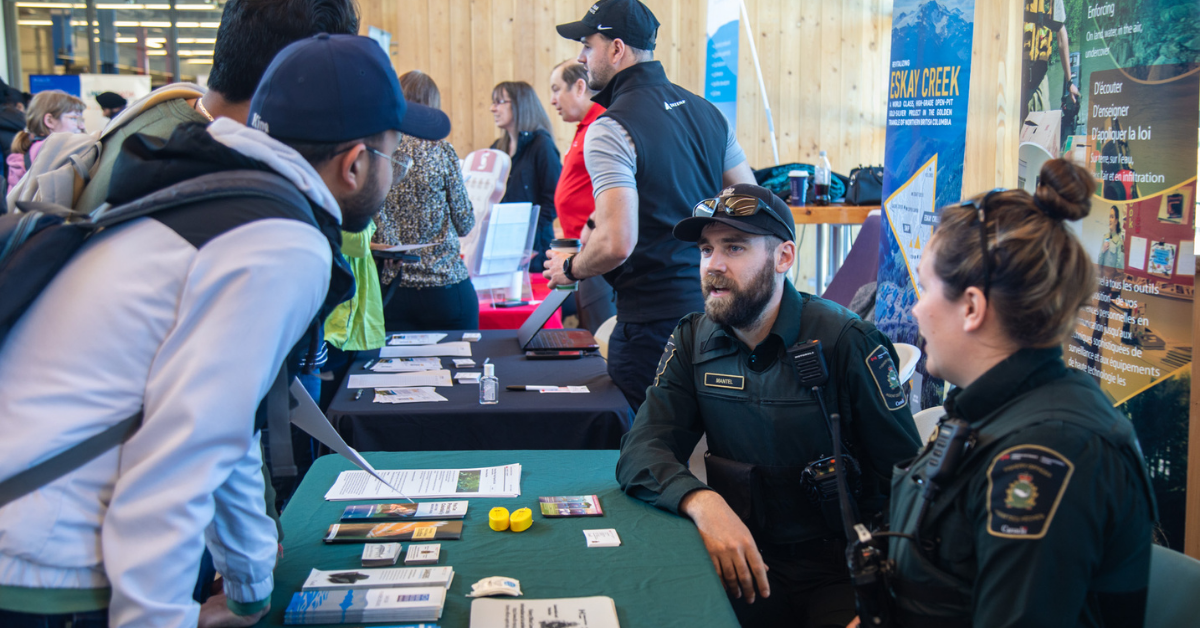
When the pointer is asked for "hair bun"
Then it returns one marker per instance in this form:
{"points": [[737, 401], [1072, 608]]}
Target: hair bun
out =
{"points": [[1065, 190]]}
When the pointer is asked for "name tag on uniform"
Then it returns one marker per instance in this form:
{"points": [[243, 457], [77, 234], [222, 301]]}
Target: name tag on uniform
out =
{"points": [[718, 380]]}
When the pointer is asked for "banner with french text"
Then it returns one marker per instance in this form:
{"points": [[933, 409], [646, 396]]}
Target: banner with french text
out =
{"points": [[1115, 86], [721, 60], [928, 81]]}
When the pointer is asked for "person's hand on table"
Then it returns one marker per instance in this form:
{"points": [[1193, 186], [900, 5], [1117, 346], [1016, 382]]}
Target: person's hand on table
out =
{"points": [[553, 270], [733, 551], [215, 613]]}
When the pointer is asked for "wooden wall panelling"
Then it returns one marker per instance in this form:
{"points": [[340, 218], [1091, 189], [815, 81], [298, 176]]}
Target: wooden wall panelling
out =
{"points": [[991, 149]]}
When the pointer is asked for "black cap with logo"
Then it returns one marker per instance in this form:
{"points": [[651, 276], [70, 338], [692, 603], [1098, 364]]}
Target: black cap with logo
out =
{"points": [[627, 20], [767, 214]]}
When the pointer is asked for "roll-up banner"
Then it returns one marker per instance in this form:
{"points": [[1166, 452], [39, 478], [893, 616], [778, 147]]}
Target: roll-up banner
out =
{"points": [[1115, 85], [721, 60], [928, 81]]}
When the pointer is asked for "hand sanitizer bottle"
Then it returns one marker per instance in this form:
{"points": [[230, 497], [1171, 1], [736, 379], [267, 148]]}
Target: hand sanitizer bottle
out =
{"points": [[489, 386]]}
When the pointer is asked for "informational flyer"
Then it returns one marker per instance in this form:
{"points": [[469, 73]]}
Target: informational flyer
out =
{"points": [[1115, 86], [504, 481], [928, 80]]}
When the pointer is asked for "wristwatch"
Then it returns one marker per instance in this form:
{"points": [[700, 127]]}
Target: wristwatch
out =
{"points": [[567, 269]]}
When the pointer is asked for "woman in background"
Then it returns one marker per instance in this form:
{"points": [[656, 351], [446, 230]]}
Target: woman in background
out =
{"points": [[535, 159], [49, 112], [430, 205]]}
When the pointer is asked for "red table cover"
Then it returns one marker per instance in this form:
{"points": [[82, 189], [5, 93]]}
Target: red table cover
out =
{"points": [[513, 317]]}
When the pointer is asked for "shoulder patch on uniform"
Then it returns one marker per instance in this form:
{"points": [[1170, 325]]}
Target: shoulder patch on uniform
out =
{"points": [[1025, 485], [668, 354], [887, 378]]}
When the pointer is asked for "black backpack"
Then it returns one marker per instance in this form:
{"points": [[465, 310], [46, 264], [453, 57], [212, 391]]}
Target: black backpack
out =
{"points": [[38, 242]]}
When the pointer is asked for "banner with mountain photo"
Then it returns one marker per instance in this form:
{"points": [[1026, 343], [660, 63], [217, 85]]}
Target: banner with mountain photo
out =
{"points": [[928, 81], [1115, 86]]}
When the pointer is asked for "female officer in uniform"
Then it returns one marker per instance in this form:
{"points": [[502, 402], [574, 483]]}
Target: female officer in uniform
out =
{"points": [[1046, 521]]}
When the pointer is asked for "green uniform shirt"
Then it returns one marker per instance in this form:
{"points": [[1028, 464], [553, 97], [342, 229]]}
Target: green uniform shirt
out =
{"points": [[1048, 520], [754, 410], [157, 121]]}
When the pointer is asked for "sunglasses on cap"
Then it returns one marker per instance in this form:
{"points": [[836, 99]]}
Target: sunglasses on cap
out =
{"points": [[737, 205], [980, 205]]}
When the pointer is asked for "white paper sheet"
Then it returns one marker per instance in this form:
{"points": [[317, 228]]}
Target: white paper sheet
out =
{"points": [[504, 481], [415, 339], [406, 395], [468, 377], [502, 612], [406, 365], [452, 349], [1187, 258], [400, 380], [308, 417], [1137, 253]]}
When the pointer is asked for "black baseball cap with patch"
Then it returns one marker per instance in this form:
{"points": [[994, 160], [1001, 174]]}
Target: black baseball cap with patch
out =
{"points": [[745, 207], [628, 20]]}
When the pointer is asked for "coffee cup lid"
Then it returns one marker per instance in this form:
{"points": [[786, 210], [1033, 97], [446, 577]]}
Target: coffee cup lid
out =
{"points": [[798, 173], [564, 243]]}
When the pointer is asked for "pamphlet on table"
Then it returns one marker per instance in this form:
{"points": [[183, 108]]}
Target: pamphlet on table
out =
{"points": [[457, 349], [569, 506], [439, 377], [366, 605], [390, 512], [406, 365], [580, 612], [415, 339], [406, 531], [379, 578], [503, 481], [406, 395]]}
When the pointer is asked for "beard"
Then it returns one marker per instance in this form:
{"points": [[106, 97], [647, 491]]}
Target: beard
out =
{"points": [[361, 207], [599, 78], [743, 305]]}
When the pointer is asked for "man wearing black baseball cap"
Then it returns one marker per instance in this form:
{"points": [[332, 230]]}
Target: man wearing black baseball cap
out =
{"points": [[728, 373], [111, 103], [655, 151], [187, 316]]}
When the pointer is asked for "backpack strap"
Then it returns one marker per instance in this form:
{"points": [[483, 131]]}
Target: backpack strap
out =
{"points": [[68, 460], [237, 183]]}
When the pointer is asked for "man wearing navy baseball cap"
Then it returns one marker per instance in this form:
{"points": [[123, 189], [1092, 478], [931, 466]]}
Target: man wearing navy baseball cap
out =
{"points": [[729, 373], [656, 150], [190, 329]]}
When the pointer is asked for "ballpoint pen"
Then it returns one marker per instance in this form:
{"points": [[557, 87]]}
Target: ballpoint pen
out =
{"points": [[358, 394]]}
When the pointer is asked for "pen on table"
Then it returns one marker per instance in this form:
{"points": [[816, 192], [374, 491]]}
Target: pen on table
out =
{"points": [[530, 388], [358, 394], [369, 363]]}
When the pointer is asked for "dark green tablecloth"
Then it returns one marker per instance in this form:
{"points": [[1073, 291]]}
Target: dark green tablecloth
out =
{"points": [[659, 576]]}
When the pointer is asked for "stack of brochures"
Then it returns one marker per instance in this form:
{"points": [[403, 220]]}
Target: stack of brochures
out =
{"points": [[503, 481], [366, 605]]}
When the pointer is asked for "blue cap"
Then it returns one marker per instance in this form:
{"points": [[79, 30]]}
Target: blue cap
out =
{"points": [[337, 88]]}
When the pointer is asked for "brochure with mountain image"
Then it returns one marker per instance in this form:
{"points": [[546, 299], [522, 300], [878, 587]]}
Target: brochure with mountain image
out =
{"points": [[387, 512], [379, 578], [398, 531], [571, 506], [365, 605]]}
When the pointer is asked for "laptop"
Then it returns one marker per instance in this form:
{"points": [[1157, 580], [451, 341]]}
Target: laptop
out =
{"points": [[532, 336]]}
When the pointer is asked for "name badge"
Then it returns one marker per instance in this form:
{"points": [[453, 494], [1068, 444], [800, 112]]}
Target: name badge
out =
{"points": [[718, 380]]}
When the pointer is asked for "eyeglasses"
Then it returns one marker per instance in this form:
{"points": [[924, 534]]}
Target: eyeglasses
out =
{"points": [[400, 165], [500, 102], [980, 205], [737, 205]]}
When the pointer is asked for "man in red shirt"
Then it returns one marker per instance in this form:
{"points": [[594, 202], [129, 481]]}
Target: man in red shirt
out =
{"points": [[572, 99]]}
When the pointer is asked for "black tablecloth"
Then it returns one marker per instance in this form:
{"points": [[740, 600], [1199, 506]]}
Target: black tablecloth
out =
{"points": [[521, 420]]}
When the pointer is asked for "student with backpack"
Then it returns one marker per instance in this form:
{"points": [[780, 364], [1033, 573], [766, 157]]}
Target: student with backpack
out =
{"points": [[51, 111], [184, 316]]}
